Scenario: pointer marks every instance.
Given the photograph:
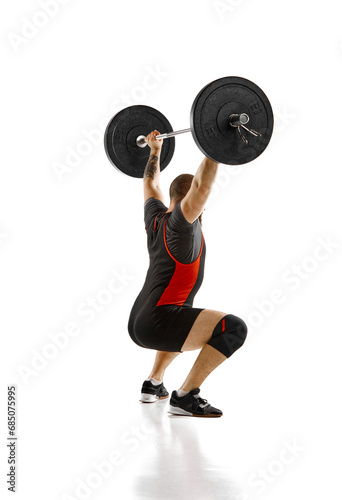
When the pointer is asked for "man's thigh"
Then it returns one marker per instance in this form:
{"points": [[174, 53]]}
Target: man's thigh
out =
{"points": [[202, 329]]}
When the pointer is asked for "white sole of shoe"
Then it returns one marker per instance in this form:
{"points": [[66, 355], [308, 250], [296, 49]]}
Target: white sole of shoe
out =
{"points": [[150, 398], [175, 410]]}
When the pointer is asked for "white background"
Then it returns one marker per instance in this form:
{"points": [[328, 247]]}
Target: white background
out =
{"points": [[63, 235]]}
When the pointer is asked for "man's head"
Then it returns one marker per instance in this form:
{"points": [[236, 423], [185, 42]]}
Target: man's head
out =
{"points": [[179, 188]]}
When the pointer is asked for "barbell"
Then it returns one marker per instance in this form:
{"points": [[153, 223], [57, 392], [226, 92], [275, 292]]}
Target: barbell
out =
{"points": [[218, 124], [235, 120]]}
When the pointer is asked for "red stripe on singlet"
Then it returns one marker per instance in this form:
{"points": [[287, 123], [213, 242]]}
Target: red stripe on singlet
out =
{"points": [[223, 325], [183, 279]]}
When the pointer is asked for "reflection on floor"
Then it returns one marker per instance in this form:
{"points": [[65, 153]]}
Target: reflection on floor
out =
{"points": [[175, 457]]}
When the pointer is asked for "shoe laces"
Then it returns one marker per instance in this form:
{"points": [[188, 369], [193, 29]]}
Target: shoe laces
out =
{"points": [[200, 402]]}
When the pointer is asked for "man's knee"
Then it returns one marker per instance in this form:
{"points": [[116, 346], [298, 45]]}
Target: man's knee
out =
{"points": [[238, 326], [229, 335]]}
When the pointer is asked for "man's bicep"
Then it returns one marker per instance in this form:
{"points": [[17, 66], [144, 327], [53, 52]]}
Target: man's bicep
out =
{"points": [[152, 191], [194, 202]]}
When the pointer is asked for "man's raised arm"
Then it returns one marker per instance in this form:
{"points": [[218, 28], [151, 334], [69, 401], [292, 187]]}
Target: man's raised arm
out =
{"points": [[152, 169], [194, 202]]}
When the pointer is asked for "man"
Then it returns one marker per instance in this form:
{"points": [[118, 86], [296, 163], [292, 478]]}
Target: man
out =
{"points": [[162, 317]]}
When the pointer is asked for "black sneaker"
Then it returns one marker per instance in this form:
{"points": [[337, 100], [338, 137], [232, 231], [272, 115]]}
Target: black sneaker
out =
{"points": [[192, 405], [151, 393]]}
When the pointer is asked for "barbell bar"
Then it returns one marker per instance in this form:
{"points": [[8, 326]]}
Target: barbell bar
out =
{"points": [[235, 120], [141, 139]]}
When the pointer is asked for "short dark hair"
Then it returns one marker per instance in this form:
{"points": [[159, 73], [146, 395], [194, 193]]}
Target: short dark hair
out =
{"points": [[179, 188]]}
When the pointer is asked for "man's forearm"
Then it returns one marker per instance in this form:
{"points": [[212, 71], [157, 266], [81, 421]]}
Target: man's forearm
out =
{"points": [[206, 173], [152, 169]]}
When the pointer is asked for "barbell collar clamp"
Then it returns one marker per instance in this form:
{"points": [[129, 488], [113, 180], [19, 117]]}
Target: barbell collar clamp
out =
{"points": [[236, 120]]}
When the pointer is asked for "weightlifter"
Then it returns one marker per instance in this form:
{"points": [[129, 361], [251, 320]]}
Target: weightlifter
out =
{"points": [[162, 317]]}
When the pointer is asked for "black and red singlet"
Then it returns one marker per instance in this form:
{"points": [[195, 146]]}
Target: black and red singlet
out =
{"points": [[162, 315]]}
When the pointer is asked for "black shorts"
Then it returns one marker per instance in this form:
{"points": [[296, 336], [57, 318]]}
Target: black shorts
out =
{"points": [[163, 328]]}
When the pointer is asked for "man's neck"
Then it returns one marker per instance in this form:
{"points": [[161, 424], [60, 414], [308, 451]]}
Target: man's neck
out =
{"points": [[171, 207]]}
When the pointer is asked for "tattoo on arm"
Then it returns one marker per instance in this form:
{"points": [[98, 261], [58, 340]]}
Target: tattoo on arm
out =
{"points": [[151, 167]]}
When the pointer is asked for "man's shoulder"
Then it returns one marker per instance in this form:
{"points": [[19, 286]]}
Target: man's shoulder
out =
{"points": [[152, 208], [178, 219], [154, 202]]}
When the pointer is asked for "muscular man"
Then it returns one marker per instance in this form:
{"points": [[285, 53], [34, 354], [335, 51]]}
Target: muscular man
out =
{"points": [[162, 317]]}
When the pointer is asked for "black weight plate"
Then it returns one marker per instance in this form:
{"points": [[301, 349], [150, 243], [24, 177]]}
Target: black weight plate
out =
{"points": [[121, 134], [210, 128]]}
